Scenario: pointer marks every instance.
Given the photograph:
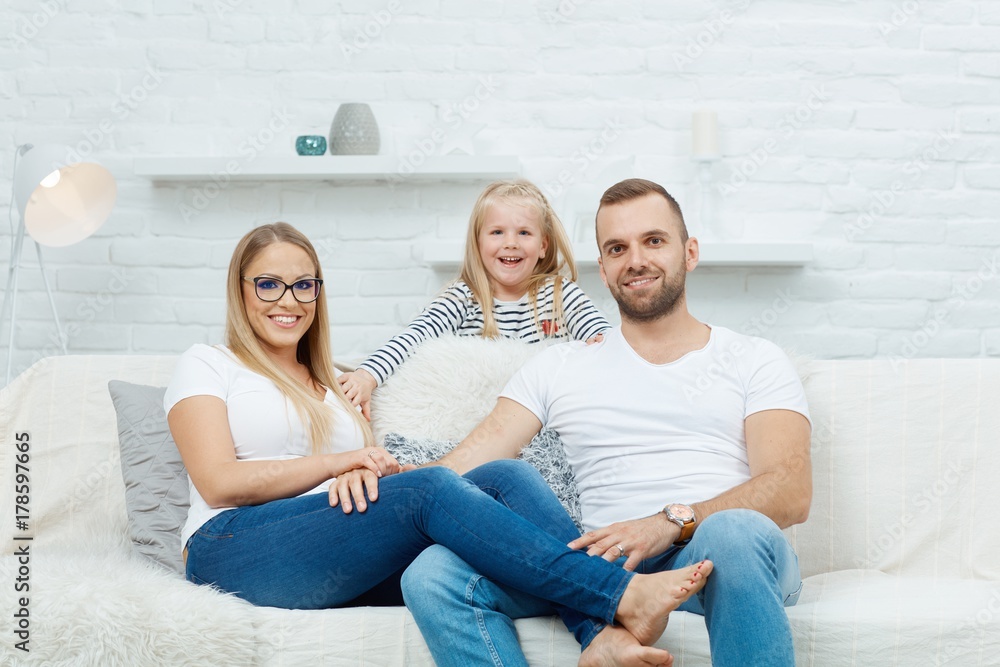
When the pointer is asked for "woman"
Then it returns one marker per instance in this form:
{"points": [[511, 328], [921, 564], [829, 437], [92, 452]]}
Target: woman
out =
{"points": [[263, 427]]}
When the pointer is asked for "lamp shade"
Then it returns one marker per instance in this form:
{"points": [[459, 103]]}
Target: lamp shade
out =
{"points": [[62, 203]]}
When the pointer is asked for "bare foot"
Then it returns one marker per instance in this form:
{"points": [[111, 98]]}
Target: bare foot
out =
{"points": [[616, 647], [649, 599]]}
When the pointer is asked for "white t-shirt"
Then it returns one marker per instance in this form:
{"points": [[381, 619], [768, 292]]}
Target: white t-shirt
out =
{"points": [[264, 425], [641, 435]]}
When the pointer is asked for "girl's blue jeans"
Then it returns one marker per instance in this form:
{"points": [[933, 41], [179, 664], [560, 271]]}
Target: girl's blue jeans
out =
{"points": [[300, 553]]}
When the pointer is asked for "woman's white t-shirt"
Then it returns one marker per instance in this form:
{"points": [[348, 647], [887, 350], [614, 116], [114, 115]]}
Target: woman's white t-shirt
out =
{"points": [[265, 426]]}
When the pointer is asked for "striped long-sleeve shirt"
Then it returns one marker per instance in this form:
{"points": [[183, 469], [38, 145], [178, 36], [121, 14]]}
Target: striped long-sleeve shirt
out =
{"points": [[457, 312]]}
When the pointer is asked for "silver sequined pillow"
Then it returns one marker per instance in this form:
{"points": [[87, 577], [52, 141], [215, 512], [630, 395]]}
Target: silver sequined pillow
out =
{"points": [[545, 453]]}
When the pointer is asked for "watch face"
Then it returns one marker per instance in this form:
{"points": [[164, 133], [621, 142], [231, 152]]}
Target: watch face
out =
{"points": [[682, 512]]}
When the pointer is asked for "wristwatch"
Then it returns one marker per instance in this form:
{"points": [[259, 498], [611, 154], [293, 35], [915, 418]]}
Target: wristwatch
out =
{"points": [[684, 517]]}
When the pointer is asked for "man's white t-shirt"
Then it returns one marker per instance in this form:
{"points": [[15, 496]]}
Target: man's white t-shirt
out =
{"points": [[264, 425], [641, 435]]}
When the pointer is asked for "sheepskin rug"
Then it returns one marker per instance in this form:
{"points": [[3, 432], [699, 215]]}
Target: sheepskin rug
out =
{"points": [[115, 609]]}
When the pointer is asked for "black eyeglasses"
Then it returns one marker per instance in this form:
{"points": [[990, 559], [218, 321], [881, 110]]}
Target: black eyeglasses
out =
{"points": [[272, 289]]}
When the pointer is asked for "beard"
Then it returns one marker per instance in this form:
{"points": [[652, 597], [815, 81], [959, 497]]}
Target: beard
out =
{"points": [[650, 307]]}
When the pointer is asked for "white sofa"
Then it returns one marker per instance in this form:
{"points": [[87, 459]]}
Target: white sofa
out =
{"points": [[900, 556]]}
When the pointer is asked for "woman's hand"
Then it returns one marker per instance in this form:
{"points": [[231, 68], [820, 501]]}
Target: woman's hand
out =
{"points": [[358, 387], [376, 459], [348, 490], [351, 486]]}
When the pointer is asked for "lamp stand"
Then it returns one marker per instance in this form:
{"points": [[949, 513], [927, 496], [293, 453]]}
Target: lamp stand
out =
{"points": [[11, 294], [706, 199]]}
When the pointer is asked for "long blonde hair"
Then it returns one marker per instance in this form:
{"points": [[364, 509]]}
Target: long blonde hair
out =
{"points": [[557, 264], [313, 349]]}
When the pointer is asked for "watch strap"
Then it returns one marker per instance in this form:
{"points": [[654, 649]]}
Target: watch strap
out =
{"points": [[687, 531]]}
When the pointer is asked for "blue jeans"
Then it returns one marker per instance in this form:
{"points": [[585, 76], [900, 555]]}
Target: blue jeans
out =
{"points": [[466, 618], [300, 553]]}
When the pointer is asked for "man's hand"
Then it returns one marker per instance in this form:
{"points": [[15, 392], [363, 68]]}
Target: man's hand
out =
{"points": [[640, 539]]}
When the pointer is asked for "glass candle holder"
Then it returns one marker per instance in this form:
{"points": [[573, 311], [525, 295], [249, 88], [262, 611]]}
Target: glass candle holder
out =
{"points": [[310, 144]]}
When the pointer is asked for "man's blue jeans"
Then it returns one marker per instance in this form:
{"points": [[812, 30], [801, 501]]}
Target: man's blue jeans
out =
{"points": [[466, 618], [300, 553]]}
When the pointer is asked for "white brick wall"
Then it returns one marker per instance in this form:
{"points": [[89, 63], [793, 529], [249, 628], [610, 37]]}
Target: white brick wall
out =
{"points": [[874, 126]]}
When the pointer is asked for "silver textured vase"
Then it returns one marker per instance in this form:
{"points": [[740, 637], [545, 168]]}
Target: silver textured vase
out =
{"points": [[354, 131]]}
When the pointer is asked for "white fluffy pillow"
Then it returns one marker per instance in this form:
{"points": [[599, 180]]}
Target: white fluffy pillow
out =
{"points": [[447, 387]]}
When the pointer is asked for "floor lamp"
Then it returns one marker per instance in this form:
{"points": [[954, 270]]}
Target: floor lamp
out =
{"points": [[59, 202]]}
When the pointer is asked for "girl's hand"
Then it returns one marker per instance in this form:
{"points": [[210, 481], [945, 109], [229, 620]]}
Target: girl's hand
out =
{"points": [[595, 339], [358, 387]]}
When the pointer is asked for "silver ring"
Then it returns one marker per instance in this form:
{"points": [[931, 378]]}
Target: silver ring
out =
{"points": [[621, 550], [371, 454]]}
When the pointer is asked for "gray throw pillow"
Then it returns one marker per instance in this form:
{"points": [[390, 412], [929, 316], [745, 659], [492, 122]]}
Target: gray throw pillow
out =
{"points": [[156, 484], [545, 452]]}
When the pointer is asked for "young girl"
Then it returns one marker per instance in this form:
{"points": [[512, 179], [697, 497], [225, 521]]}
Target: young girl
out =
{"points": [[517, 260]]}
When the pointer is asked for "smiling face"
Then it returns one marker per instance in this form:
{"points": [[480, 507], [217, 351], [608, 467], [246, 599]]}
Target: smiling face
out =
{"points": [[510, 244], [279, 325], [643, 260]]}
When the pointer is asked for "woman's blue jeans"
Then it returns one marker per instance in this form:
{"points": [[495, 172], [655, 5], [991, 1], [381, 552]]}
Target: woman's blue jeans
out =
{"points": [[466, 618], [300, 553]]}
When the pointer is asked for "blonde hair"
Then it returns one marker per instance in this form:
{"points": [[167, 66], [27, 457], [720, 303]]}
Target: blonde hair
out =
{"points": [[313, 348], [557, 264]]}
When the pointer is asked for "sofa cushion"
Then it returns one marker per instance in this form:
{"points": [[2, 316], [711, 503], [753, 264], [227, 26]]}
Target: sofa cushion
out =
{"points": [[545, 453], [156, 484], [868, 617], [447, 387]]}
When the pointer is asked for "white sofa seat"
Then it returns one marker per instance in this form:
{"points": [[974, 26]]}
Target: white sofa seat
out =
{"points": [[901, 553]]}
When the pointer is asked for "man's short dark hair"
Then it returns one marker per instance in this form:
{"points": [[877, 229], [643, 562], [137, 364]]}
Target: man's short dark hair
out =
{"points": [[634, 188]]}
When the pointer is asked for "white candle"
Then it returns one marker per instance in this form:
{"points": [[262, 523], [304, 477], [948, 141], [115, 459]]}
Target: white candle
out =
{"points": [[704, 134]]}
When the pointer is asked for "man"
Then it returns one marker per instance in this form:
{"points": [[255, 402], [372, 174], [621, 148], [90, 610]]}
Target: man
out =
{"points": [[688, 442]]}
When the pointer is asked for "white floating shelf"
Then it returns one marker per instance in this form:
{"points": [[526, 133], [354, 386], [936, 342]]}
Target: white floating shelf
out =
{"points": [[449, 254], [327, 168]]}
